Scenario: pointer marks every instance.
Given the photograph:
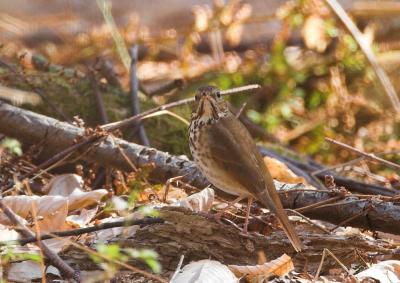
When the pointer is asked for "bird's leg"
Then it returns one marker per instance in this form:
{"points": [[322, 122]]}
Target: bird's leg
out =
{"points": [[246, 221], [231, 203]]}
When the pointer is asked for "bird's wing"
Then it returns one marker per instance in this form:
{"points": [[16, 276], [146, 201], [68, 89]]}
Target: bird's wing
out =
{"points": [[246, 165], [241, 163]]}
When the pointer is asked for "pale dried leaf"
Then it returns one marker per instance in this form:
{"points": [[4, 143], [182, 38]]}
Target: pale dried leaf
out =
{"points": [[281, 172], [53, 270], [205, 271], [201, 201], [64, 185], [79, 199], [385, 272], [70, 185], [24, 271], [109, 234], [278, 267], [57, 245], [51, 210], [7, 234], [81, 220], [314, 34]]}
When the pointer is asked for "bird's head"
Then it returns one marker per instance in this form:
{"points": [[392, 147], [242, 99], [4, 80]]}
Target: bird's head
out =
{"points": [[209, 103]]}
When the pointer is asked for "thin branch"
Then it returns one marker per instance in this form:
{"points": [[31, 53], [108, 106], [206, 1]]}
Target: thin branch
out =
{"points": [[123, 123], [85, 230], [324, 253], [369, 156], [366, 48], [318, 204], [99, 99], [55, 259], [167, 87], [134, 98]]}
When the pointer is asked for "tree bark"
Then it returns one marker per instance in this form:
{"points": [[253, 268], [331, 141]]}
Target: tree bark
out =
{"points": [[196, 237]]}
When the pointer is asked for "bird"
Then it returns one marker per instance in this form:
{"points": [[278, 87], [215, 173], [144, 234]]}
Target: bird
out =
{"points": [[227, 155]]}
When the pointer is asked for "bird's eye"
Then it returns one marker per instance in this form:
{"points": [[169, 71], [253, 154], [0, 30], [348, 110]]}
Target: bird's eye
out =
{"points": [[218, 94], [197, 97]]}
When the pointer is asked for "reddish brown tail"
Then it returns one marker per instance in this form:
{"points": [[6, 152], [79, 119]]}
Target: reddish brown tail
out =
{"points": [[270, 198]]}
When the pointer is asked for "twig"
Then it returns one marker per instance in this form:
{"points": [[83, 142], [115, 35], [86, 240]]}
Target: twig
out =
{"points": [[314, 173], [99, 98], [369, 156], [133, 93], [178, 268], [167, 87], [318, 204], [123, 123], [309, 221], [352, 218], [239, 113], [55, 158], [326, 251], [56, 260], [105, 68], [366, 48], [168, 185], [34, 89], [85, 230]]}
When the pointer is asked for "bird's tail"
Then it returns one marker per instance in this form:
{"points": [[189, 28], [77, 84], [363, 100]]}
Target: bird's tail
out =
{"points": [[271, 200], [289, 229]]}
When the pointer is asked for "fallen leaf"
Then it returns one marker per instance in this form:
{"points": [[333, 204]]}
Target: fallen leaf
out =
{"points": [[384, 272], [51, 210], [314, 34], [71, 186], [279, 171], [205, 271], [84, 217], [201, 201], [24, 271], [278, 267]]}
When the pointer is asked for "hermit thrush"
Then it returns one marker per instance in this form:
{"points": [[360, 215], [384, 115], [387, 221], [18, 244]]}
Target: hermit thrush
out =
{"points": [[228, 157]]}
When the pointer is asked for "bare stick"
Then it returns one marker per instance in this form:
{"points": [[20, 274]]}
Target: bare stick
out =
{"points": [[369, 156], [167, 87], [130, 120], [133, 93], [99, 98], [85, 230], [56, 260], [324, 253], [318, 204], [59, 156], [366, 48]]}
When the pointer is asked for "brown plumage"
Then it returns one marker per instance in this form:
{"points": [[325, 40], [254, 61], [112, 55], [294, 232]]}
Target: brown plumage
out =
{"points": [[228, 157]]}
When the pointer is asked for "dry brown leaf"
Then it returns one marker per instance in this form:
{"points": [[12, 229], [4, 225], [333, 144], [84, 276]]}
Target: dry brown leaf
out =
{"points": [[281, 172], [201, 201], [385, 272], [51, 210], [278, 267]]}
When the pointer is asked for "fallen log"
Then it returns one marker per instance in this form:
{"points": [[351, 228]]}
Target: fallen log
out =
{"points": [[187, 233], [29, 127]]}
